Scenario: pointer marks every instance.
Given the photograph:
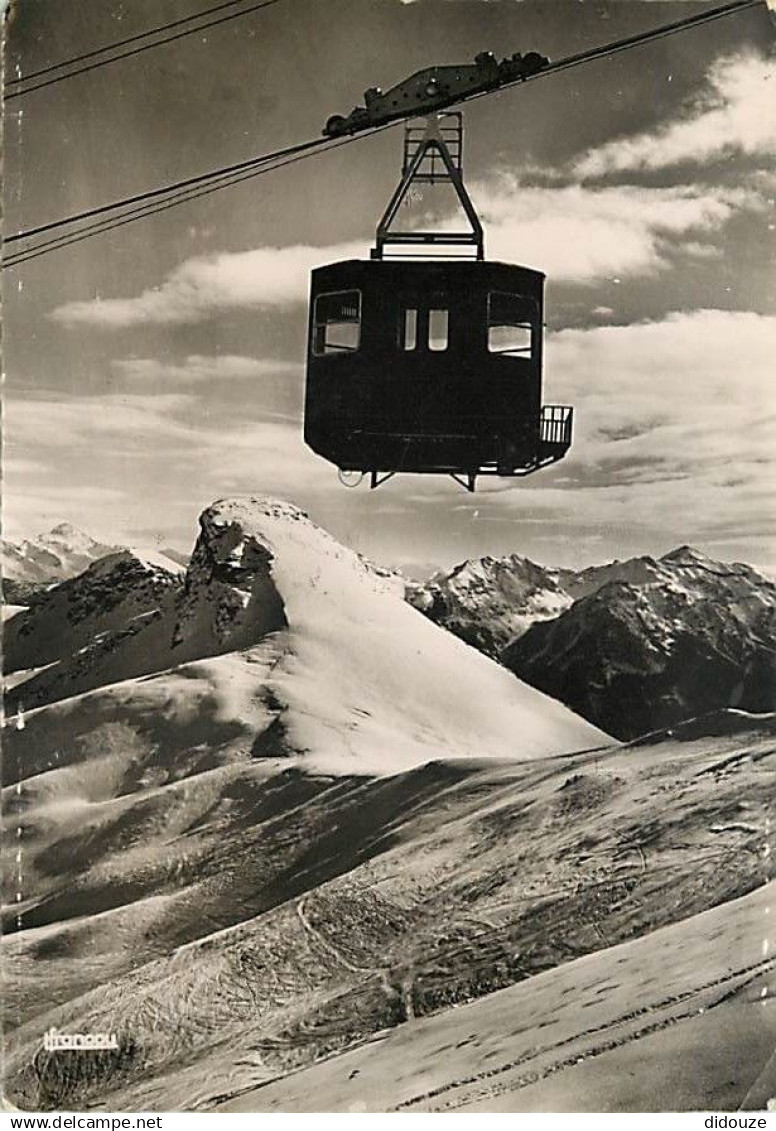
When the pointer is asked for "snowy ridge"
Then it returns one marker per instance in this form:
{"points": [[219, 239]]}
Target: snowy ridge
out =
{"points": [[367, 683]]}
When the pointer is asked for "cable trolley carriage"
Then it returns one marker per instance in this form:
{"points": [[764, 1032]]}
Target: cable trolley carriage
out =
{"points": [[430, 365]]}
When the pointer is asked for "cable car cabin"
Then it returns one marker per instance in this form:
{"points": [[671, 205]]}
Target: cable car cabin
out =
{"points": [[432, 367]]}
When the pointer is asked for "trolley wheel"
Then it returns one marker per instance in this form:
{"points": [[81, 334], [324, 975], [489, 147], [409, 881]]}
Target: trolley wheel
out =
{"points": [[335, 125], [533, 62]]}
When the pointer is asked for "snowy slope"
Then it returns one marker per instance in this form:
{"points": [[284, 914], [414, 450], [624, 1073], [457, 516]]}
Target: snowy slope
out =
{"points": [[181, 888], [631, 645], [368, 682], [106, 597]]}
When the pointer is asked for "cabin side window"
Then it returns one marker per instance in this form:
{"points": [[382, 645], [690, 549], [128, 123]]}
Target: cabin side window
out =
{"points": [[337, 323], [510, 329]]}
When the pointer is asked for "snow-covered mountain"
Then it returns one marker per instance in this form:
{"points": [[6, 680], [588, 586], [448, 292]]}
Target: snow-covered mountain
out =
{"points": [[671, 639], [33, 565], [679, 1019], [61, 553], [352, 674], [489, 602]]}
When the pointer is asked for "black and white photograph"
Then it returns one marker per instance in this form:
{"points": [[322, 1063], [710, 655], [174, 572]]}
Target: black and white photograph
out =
{"points": [[389, 557]]}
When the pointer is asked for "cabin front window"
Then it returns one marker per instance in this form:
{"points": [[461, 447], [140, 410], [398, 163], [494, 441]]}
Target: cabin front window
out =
{"points": [[409, 328], [438, 329], [510, 329], [337, 323]]}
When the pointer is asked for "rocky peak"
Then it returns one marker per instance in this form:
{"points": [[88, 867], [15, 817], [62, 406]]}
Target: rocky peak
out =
{"points": [[255, 555], [229, 597], [489, 601]]}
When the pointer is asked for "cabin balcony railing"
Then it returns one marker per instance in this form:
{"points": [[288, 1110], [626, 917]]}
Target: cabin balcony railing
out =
{"points": [[555, 424]]}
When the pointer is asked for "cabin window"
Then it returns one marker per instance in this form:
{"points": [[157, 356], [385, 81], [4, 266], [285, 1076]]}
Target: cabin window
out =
{"points": [[409, 329], [337, 323], [438, 327], [510, 329]]}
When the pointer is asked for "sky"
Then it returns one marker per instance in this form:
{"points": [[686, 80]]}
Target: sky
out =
{"points": [[151, 370]]}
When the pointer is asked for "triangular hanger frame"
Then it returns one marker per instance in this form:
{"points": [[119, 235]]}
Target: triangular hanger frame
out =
{"points": [[433, 142]]}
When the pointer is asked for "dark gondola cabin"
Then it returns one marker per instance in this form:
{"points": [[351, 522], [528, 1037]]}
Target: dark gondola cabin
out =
{"points": [[429, 365]]}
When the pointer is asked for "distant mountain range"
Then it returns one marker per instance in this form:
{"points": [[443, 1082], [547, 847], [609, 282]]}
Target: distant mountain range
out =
{"points": [[32, 564], [632, 646], [64, 552]]}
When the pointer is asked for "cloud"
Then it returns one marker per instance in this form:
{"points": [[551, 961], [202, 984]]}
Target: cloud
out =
{"points": [[733, 115], [681, 399], [574, 232], [582, 233], [75, 424], [198, 368], [206, 285], [131, 462], [673, 443]]}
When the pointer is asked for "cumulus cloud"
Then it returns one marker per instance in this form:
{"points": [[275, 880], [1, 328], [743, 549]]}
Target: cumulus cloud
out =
{"points": [[574, 232], [205, 285], [582, 233], [64, 424], [160, 456], [685, 398], [734, 114], [197, 368], [673, 442]]}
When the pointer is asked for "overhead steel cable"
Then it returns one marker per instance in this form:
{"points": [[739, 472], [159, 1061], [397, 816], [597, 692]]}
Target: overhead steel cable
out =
{"points": [[154, 208], [96, 62], [120, 43], [626, 44], [174, 186], [177, 192]]}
